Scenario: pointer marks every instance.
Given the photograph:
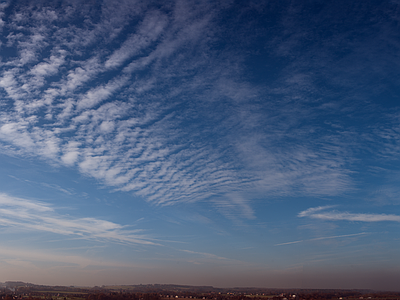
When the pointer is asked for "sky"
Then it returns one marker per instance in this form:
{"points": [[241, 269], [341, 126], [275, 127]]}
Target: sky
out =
{"points": [[224, 143]]}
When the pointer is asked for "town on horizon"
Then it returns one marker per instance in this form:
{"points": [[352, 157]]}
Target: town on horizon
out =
{"points": [[181, 291]]}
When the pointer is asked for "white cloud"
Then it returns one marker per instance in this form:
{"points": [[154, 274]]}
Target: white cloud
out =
{"points": [[85, 72], [71, 153], [318, 213], [101, 93], [313, 210], [137, 146], [29, 215], [149, 30], [107, 126], [50, 67], [178, 123]]}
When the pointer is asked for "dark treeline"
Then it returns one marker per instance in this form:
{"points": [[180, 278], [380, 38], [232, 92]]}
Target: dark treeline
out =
{"points": [[123, 296], [171, 295]]}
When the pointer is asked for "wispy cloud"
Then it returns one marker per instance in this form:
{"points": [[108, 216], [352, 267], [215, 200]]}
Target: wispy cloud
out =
{"points": [[139, 98], [319, 213], [206, 255], [15, 256], [234, 205], [116, 130], [322, 238], [29, 215]]}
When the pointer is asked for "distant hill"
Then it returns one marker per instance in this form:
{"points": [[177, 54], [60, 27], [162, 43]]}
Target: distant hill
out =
{"points": [[173, 288]]}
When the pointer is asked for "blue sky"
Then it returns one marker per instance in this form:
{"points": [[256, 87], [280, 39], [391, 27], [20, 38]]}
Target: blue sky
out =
{"points": [[229, 143]]}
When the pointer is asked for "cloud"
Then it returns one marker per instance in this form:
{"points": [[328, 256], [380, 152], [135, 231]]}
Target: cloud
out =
{"points": [[322, 238], [206, 255], [50, 67], [20, 256], [136, 130], [317, 213], [313, 210], [101, 93], [29, 215], [71, 153], [234, 206], [149, 30], [153, 101]]}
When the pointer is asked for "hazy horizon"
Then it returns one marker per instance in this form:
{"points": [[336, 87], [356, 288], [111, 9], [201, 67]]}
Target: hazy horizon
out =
{"points": [[223, 143], [196, 288]]}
